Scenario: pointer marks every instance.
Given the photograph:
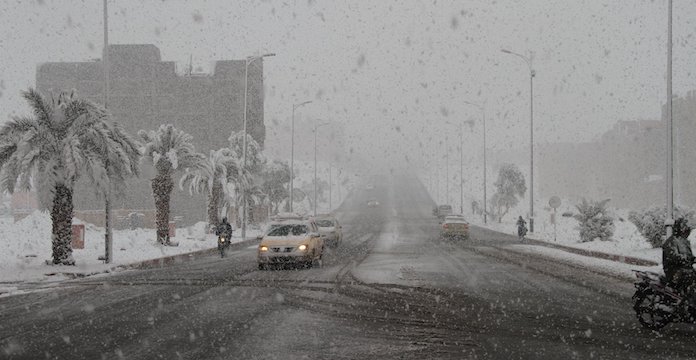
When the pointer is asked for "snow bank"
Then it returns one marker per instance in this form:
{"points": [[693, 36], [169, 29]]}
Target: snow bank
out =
{"points": [[26, 245], [626, 241]]}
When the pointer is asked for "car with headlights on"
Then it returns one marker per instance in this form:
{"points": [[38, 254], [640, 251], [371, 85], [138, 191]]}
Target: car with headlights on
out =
{"points": [[295, 242], [330, 230], [372, 203], [454, 227]]}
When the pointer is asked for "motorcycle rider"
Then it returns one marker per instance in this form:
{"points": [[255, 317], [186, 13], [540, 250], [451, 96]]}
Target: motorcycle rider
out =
{"points": [[224, 229], [678, 260]]}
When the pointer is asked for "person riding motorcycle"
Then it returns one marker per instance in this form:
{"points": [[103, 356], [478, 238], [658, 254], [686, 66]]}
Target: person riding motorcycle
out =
{"points": [[224, 229], [678, 260]]}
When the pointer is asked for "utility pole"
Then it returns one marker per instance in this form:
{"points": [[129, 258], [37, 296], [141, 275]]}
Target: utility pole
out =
{"points": [[461, 168], [316, 127], [669, 221], [108, 238], [485, 195], [532, 73], [330, 185], [292, 152]]}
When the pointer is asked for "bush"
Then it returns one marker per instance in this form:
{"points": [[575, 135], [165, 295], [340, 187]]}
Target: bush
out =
{"points": [[651, 222], [595, 220]]}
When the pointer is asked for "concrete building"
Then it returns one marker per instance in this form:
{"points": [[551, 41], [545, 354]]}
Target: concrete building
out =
{"points": [[626, 165], [146, 92]]}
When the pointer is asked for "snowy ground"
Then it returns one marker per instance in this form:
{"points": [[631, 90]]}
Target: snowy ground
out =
{"points": [[26, 245], [626, 241]]}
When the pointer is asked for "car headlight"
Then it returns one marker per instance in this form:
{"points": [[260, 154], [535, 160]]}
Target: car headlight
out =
{"points": [[302, 247], [263, 248]]}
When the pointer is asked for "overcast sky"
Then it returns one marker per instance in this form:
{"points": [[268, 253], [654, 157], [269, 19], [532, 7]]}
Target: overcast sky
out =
{"points": [[394, 73]]}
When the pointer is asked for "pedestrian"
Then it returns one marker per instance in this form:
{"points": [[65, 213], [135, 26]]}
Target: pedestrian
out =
{"points": [[521, 228]]}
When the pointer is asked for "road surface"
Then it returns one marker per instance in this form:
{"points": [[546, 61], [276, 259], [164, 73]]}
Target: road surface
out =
{"points": [[392, 290]]}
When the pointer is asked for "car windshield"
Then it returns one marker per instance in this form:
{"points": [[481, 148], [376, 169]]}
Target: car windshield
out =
{"points": [[325, 223], [286, 230]]}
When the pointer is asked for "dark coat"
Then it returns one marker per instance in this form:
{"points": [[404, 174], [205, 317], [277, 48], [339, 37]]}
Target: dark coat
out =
{"points": [[676, 255], [224, 229]]}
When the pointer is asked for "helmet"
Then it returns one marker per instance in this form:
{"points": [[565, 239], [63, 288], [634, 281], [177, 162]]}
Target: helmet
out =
{"points": [[681, 227]]}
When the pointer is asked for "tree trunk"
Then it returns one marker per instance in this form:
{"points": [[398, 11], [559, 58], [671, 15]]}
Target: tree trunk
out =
{"points": [[214, 204], [61, 216], [162, 186]]}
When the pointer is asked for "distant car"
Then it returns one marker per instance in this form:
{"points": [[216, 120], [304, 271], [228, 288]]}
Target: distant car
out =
{"points": [[454, 227], [293, 242], [330, 230], [442, 210], [372, 203]]}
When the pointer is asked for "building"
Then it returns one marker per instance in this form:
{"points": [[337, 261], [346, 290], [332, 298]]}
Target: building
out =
{"points": [[625, 165], [146, 92]]}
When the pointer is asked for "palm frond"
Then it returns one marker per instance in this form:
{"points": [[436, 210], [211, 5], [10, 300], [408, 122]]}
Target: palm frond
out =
{"points": [[41, 108]]}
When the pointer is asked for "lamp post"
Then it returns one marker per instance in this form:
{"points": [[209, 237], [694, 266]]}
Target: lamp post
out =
{"points": [[316, 127], [669, 221], [485, 197], [248, 61], [532, 73], [108, 236], [330, 204], [292, 151]]}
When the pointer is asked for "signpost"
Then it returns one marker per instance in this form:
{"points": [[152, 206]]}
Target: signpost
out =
{"points": [[554, 202]]}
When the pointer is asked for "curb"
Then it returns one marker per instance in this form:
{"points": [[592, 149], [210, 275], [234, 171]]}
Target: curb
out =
{"points": [[180, 258], [163, 261], [590, 253], [596, 254]]}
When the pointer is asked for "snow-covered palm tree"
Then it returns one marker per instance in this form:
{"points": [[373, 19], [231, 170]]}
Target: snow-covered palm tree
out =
{"points": [[67, 137], [220, 169], [168, 150]]}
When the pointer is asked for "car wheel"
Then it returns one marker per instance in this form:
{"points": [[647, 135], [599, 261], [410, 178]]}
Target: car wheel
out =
{"points": [[262, 266]]}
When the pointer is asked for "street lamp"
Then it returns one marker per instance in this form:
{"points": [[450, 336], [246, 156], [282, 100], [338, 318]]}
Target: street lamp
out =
{"points": [[316, 127], [292, 151], [248, 61], [532, 73], [669, 221], [485, 197]]}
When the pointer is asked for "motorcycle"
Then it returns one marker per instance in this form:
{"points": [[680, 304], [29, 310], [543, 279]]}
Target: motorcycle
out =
{"points": [[657, 304], [223, 244]]}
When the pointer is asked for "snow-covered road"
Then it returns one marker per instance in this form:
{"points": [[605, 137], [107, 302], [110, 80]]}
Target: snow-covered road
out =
{"points": [[392, 290]]}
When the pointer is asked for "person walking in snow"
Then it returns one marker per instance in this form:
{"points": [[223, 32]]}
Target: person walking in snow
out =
{"points": [[521, 228], [678, 260]]}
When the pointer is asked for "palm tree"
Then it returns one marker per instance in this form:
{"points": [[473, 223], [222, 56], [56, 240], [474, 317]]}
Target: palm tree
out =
{"points": [[66, 138], [169, 150], [220, 168]]}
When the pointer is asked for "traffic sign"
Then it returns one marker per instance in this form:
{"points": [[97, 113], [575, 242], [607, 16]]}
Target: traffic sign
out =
{"points": [[555, 202]]}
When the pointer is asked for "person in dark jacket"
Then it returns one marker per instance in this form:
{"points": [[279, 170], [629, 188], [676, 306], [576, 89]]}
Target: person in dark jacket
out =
{"points": [[224, 229], [521, 228], [678, 260]]}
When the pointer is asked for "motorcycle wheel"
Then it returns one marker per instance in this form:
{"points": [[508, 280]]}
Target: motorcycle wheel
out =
{"points": [[648, 309], [222, 252]]}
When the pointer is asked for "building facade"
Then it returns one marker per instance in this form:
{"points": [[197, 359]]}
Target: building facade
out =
{"points": [[146, 92]]}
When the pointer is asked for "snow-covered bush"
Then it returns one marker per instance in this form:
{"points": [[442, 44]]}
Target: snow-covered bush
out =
{"points": [[651, 222], [595, 220]]}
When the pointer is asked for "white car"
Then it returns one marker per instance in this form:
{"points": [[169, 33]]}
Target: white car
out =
{"points": [[295, 241], [330, 230]]}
